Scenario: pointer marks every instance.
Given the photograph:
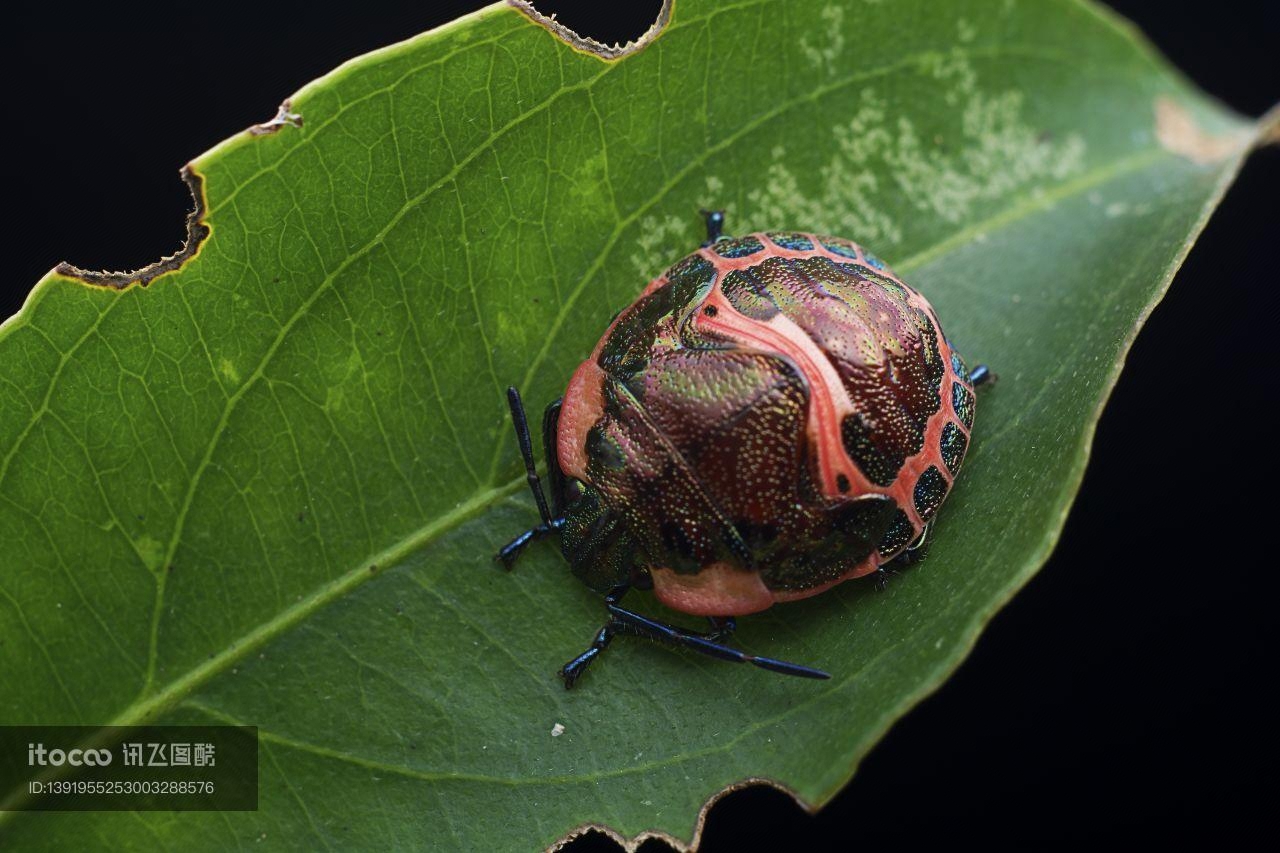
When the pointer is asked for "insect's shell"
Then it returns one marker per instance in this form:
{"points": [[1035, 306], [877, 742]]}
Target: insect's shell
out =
{"points": [[775, 414]]}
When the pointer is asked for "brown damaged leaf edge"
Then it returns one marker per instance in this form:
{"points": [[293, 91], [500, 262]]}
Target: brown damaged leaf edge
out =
{"points": [[586, 44], [631, 845], [284, 117], [197, 233], [197, 229]]}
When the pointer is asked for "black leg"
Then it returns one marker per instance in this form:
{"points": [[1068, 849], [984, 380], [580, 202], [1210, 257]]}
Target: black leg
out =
{"points": [[715, 225], [981, 375], [512, 550], [509, 553], [573, 670], [624, 621], [722, 627], [883, 573], [914, 553]]}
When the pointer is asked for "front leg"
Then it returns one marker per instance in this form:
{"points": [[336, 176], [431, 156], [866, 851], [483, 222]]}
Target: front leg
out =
{"points": [[510, 552], [574, 669]]}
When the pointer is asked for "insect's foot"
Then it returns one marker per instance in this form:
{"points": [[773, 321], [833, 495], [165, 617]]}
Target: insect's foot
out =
{"points": [[574, 669], [882, 578], [722, 627]]}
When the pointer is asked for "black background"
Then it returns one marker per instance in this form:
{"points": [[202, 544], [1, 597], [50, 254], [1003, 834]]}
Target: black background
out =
{"points": [[1125, 694]]}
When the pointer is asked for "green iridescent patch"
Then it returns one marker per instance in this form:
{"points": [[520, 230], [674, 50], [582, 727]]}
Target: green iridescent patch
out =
{"points": [[962, 403], [737, 247], [790, 240], [840, 247]]}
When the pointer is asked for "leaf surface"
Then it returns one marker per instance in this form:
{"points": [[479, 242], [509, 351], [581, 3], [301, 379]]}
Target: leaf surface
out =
{"points": [[265, 487]]}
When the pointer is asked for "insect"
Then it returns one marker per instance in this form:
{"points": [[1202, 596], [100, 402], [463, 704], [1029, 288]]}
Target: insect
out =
{"points": [[776, 414]]}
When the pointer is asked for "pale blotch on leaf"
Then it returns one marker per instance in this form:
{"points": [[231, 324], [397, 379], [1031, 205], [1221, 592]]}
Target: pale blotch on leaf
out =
{"points": [[151, 552], [227, 369], [661, 242], [832, 18], [998, 154]]}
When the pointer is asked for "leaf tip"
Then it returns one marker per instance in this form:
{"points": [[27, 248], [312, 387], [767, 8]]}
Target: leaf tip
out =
{"points": [[586, 44], [197, 232]]}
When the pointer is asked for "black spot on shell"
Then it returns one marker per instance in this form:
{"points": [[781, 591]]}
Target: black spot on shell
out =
{"points": [[962, 402], [879, 467], [953, 445], [930, 489], [865, 519], [739, 247], [841, 247], [788, 240], [842, 482], [899, 534]]}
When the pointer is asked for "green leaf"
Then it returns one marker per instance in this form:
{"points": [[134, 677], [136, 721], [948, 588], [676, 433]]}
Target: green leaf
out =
{"points": [[263, 483]]}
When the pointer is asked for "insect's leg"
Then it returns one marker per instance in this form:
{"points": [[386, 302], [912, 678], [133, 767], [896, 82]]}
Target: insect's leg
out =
{"points": [[721, 627], [715, 225], [914, 553], [573, 670], [630, 622], [509, 552], [981, 375]]}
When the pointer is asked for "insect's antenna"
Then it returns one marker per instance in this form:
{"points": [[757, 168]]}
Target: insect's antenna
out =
{"points": [[526, 452]]}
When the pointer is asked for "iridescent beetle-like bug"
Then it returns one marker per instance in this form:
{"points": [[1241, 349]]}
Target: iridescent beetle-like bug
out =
{"points": [[775, 414]]}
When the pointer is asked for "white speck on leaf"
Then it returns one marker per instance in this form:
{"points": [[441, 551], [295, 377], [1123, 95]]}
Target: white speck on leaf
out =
{"points": [[557, 730]]}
